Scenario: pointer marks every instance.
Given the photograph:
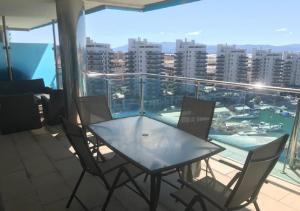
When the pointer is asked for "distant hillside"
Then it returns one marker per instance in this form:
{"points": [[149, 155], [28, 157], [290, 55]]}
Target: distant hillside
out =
{"points": [[123, 48], [170, 47]]}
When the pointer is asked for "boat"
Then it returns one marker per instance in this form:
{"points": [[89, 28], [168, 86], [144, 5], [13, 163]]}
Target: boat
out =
{"points": [[244, 116], [252, 132], [269, 127]]}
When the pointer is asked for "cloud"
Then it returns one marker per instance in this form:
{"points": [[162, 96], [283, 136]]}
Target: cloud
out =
{"points": [[195, 33], [284, 30], [281, 30], [162, 33]]}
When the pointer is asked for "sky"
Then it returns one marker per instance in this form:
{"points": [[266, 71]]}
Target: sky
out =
{"points": [[274, 22]]}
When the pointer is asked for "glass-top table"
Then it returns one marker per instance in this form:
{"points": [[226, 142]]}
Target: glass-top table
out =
{"points": [[153, 146]]}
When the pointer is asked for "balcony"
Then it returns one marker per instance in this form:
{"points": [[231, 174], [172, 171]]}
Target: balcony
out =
{"points": [[39, 169], [262, 113]]}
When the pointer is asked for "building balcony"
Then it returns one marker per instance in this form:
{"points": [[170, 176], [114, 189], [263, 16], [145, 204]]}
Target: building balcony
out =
{"points": [[202, 65], [154, 58], [201, 61], [178, 56], [219, 70], [39, 167], [220, 62], [228, 96]]}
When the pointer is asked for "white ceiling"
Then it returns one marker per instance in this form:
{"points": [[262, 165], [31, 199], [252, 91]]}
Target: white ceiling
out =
{"points": [[28, 14]]}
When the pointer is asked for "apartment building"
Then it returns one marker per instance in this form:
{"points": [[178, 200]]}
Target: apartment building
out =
{"points": [[144, 57], [169, 64], [211, 63], [191, 59], [99, 56], [291, 69], [118, 62], [267, 68], [231, 64]]}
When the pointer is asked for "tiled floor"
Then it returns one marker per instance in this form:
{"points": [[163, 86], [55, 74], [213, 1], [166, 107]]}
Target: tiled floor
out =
{"points": [[38, 171]]}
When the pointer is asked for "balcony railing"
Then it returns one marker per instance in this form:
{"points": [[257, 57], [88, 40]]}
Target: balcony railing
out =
{"points": [[246, 115]]}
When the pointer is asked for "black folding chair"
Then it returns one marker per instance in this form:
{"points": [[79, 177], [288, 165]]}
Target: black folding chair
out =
{"points": [[108, 172], [93, 109], [195, 118], [209, 194]]}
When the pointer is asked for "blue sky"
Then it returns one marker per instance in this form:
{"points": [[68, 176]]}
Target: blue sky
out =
{"points": [[274, 22]]}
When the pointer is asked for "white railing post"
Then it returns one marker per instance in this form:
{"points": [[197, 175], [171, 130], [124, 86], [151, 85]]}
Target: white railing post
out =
{"points": [[108, 92], [55, 56], [6, 47], [292, 148], [197, 89], [142, 95]]}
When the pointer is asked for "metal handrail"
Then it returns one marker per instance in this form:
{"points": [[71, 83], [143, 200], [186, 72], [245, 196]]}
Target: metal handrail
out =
{"points": [[142, 76], [204, 81]]}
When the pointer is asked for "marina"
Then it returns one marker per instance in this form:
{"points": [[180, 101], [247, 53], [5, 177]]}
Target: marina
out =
{"points": [[231, 127]]}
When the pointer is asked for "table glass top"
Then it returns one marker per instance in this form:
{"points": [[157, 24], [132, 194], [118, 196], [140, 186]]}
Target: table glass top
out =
{"points": [[153, 145]]}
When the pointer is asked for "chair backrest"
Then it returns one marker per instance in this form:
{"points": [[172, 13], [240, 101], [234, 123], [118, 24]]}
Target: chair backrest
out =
{"points": [[258, 165], [93, 109], [196, 116], [80, 145]]}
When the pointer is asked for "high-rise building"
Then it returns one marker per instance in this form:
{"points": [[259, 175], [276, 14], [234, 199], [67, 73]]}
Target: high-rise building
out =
{"points": [[191, 59], [211, 63], [99, 56], [118, 62], [231, 64], [291, 69], [267, 68], [144, 57], [169, 64]]}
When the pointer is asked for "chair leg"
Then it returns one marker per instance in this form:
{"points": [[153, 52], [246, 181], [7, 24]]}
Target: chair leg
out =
{"points": [[111, 190], [146, 177], [256, 206], [75, 188], [191, 204], [179, 173], [209, 168], [136, 186]]}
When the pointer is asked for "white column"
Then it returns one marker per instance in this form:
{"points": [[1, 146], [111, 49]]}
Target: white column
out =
{"points": [[71, 28]]}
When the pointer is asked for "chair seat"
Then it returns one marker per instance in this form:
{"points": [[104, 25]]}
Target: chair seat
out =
{"points": [[132, 170], [186, 195], [111, 164], [210, 187]]}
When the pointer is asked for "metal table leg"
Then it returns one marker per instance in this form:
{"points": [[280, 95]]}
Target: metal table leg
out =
{"points": [[154, 191]]}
